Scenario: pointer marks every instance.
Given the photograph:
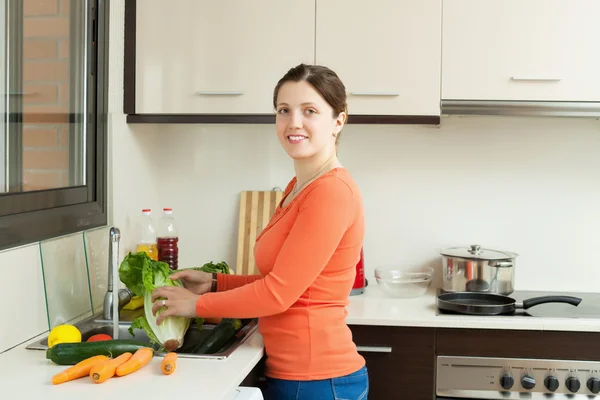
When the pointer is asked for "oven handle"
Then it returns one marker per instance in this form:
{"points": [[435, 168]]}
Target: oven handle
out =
{"points": [[456, 398], [374, 349]]}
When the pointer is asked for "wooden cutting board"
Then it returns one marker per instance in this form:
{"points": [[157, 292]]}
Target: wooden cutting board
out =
{"points": [[256, 209]]}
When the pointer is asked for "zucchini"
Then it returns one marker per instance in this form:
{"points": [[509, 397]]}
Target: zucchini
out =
{"points": [[220, 335], [72, 353]]}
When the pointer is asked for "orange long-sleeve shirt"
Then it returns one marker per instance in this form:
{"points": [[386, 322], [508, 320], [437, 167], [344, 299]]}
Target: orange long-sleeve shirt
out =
{"points": [[307, 257]]}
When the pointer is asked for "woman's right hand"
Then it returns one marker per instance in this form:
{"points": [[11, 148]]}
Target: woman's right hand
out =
{"points": [[197, 282]]}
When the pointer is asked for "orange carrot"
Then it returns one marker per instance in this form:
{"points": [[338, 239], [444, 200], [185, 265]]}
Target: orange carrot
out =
{"points": [[78, 370], [104, 371], [214, 320], [169, 363], [140, 358]]}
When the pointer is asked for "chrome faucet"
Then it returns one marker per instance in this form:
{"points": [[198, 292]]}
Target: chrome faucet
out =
{"points": [[125, 295]]}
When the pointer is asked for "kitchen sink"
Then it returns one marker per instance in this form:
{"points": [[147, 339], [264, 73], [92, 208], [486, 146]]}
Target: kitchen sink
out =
{"points": [[96, 325]]}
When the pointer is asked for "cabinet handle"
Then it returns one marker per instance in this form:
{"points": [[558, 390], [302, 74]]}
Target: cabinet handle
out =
{"points": [[224, 93], [532, 78], [22, 93], [374, 349], [386, 94]]}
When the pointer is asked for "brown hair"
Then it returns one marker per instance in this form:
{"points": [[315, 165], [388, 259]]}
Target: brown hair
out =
{"points": [[326, 83]]}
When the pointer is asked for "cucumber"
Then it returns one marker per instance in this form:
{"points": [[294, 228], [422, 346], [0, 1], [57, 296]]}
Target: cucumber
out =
{"points": [[72, 353], [220, 335]]}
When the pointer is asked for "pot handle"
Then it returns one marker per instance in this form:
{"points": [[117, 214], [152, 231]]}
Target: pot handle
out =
{"points": [[534, 301], [501, 264]]}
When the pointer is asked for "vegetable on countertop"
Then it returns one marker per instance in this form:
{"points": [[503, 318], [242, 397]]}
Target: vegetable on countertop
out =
{"points": [[220, 335], [169, 363], [73, 353], [142, 275], [139, 359], [78, 370], [99, 337], [221, 267], [106, 370], [64, 333]]}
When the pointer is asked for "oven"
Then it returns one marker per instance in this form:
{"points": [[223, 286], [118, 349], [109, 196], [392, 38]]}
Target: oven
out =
{"points": [[490, 378], [533, 365]]}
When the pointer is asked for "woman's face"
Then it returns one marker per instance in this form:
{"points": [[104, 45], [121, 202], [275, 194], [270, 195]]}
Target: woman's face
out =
{"points": [[305, 124]]}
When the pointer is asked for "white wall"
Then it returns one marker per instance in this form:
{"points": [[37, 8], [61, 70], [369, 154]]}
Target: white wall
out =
{"points": [[528, 185], [523, 185]]}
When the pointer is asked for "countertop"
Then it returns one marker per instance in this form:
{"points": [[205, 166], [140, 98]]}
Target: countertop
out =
{"points": [[373, 307], [28, 372]]}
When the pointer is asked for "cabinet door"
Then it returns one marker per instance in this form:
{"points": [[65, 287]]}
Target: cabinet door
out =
{"points": [[400, 361], [521, 50], [214, 57], [387, 53]]}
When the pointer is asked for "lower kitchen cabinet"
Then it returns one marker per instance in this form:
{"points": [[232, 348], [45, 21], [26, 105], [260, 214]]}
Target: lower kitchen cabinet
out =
{"points": [[400, 360]]}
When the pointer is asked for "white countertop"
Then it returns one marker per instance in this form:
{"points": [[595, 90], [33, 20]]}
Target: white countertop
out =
{"points": [[373, 307], [28, 373]]}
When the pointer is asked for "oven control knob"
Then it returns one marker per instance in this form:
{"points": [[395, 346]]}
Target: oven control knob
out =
{"points": [[506, 381], [573, 384], [528, 382], [551, 383], [593, 384]]}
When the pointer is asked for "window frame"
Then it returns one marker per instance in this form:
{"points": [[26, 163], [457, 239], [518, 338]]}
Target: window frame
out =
{"points": [[28, 217]]}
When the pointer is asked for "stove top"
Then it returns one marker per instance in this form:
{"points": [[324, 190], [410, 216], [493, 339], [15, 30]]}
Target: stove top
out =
{"points": [[588, 308]]}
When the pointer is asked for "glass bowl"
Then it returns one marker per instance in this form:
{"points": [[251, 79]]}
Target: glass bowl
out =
{"points": [[404, 282]]}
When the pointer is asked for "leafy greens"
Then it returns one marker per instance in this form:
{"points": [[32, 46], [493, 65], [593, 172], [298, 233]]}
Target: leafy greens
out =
{"points": [[142, 275], [221, 267]]}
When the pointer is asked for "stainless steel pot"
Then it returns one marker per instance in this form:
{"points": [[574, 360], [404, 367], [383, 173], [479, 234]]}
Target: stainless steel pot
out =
{"points": [[473, 269]]}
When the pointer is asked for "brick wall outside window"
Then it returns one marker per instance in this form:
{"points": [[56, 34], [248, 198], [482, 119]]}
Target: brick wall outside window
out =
{"points": [[46, 80]]}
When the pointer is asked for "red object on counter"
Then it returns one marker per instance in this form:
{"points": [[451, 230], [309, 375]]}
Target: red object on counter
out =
{"points": [[100, 337], [359, 281]]}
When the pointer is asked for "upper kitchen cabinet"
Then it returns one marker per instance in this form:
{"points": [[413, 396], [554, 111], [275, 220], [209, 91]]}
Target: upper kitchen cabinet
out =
{"points": [[387, 53], [212, 61], [514, 50]]}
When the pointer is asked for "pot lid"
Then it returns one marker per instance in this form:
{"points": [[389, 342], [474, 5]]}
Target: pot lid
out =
{"points": [[475, 252]]}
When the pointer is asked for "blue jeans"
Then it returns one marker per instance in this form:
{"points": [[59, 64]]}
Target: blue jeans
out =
{"points": [[354, 386]]}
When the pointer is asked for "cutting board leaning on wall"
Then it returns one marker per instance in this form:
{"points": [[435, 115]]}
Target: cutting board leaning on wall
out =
{"points": [[256, 209]]}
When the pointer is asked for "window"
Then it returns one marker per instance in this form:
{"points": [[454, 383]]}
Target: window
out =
{"points": [[53, 57]]}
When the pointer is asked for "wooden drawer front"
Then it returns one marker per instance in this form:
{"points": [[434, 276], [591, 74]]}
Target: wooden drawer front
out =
{"points": [[400, 361], [518, 344]]}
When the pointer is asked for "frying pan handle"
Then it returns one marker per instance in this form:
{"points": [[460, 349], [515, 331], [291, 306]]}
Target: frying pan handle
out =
{"points": [[534, 301]]}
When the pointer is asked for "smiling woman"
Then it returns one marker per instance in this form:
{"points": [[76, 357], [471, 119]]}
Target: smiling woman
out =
{"points": [[52, 132], [306, 255]]}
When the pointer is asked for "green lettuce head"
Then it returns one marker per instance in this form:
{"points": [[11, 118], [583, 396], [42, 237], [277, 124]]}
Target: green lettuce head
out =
{"points": [[142, 275]]}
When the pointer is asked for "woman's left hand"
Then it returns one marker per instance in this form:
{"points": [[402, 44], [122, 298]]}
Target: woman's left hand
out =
{"points": [[177, 300]]}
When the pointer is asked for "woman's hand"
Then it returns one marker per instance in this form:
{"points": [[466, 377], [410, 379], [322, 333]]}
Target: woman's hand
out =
{"points": [[177, 300], [197, 282]]}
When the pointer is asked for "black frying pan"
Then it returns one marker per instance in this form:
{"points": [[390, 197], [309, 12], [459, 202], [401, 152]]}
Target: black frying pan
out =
{"points": [[494, 304]]}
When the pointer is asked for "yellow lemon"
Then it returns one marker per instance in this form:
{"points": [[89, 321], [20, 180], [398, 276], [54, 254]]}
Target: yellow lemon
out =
{"points": [[64, 334]]}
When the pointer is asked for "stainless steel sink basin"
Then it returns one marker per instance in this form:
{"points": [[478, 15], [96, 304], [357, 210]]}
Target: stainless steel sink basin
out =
{"points": [[96, 325]]}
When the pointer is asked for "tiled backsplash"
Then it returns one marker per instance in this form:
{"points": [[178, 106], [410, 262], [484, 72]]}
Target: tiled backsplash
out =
{"points": [[23, 313], [52, 282]]}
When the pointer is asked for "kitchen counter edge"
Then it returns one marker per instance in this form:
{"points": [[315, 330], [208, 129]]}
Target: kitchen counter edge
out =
{"points": [[373, 307]]}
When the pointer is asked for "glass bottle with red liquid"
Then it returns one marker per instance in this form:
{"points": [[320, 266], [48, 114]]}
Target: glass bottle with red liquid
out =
{"points": [[167, 241]]}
